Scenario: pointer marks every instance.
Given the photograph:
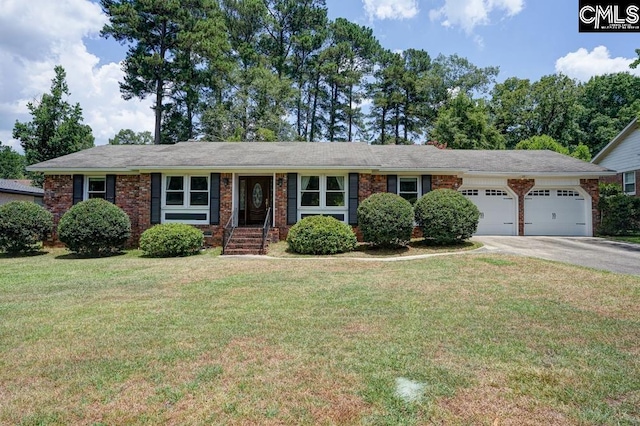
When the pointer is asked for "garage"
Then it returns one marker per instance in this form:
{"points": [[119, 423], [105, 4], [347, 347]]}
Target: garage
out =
{"points": [[556, 211], [498, 210]]}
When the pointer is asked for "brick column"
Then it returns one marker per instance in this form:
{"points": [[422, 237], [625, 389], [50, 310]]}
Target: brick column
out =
{"points": [[521, 187]]}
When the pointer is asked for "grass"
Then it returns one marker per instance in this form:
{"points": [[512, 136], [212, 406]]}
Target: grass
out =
{"points": [[629, 239], [467, 339]]}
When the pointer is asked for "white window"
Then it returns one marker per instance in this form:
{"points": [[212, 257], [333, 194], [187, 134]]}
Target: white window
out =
{"points": [[96, 188], [567, 193], [323, 195], [629, 183], [495, 193], [469, 192], [408, 188], [186, 191], [539, 193]]}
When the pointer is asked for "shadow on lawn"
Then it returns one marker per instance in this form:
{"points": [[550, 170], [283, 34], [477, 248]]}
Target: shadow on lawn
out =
{"points": [[77, 256], [23, 254]]}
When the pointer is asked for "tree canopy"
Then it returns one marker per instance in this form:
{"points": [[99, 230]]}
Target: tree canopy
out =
{"points": [[56, 127], [12, 164], [129, 137]]}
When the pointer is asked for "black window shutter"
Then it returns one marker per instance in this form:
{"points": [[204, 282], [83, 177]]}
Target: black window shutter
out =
{"points": [[392, 184], [353, 198], [156, 195], [78, 188], [214, 199], [426, 184], [292, 198], [111, 188]]}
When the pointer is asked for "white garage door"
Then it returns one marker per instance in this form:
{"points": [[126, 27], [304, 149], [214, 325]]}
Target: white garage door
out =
{"points": [[497, 208], [555, 211]]}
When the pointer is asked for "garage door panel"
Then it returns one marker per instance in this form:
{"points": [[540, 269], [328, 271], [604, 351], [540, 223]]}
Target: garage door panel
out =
{"points": [[497, 211], [555, 212]]}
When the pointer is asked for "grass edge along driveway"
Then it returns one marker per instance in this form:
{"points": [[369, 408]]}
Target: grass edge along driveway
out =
{"points": [[466, 339]]}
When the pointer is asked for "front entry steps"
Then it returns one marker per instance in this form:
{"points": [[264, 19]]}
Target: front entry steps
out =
{"points": [[246, 241]]}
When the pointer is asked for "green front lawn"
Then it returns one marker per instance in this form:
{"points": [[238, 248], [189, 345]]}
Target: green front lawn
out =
{"points": [[628, 239], [465, 339]]}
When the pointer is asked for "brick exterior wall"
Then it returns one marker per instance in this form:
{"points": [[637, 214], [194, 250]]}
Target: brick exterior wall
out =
{"points": [[133, 195], [591, 186], [521, 187], [619, 180]]}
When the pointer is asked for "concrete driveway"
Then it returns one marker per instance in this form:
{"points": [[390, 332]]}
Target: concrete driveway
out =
{"points": [[595, 253]]}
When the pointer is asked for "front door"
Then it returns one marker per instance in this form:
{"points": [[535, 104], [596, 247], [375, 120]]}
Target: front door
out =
{"points": [[257, 198]]}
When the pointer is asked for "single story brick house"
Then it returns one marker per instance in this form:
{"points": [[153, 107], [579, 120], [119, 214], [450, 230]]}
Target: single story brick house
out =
{"points": [[210, 185], [19, 190], [622, 154]]}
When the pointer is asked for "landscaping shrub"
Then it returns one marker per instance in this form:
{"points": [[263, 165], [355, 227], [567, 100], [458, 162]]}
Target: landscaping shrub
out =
{"points": [[171, 240], [386, 220], [321, 235], [94, 227], [619, 215], [23, 225], [446, 216]]}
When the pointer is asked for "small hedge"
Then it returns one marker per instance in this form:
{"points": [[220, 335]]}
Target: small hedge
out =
{"points": [[619, 215], [23, 226], [171, 240], [386, 220], [446, 216], [94, 227], [321, 235]]}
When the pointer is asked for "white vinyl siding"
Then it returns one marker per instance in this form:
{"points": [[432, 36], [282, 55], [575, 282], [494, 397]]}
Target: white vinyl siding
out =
{"points": [[625, 156]]}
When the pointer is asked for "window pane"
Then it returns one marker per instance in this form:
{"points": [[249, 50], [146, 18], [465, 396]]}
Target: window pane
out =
{"points": [[410, 197], [335, 183], [310, 199], [335, 199], [175, 183], [97, 195], [96, 185], [199, 183], [311, 183], [408, 185], [175, 198], [629, 188], [199, 199]]}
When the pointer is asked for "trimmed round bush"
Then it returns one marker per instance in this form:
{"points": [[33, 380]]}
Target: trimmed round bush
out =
{"points": [[171, 240], [386, 220], [446, 216], [23, 226], [321, 235], [94, 227]]}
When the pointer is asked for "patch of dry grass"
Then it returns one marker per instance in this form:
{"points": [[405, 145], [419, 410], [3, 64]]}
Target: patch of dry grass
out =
{"points": [[494, 340]]}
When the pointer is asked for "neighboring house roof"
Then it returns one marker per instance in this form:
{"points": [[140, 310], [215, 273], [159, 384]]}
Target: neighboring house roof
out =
{"points": [[304, 155], [611, 146], [16, 187]]}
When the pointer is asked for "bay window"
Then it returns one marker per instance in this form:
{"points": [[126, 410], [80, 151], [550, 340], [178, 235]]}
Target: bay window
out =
{"points": [[323, 194], [185, 199]]}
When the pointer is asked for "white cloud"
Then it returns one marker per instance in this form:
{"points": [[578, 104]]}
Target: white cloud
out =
{"points": [[390, 9], [582, 64], [35, 36], [469, 14]]}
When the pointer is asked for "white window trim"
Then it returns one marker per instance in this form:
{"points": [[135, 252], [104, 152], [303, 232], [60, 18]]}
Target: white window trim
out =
{"points": [[86, 186], [186, 207], [323, 208], [418, 185], [624, 182]]}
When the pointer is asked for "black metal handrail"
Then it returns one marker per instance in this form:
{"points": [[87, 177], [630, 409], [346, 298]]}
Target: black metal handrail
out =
{"points": [[228, 230], [266, 228]]}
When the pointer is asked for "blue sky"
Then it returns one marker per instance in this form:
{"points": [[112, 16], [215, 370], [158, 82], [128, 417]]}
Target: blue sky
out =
{"points": [[524, 38]]}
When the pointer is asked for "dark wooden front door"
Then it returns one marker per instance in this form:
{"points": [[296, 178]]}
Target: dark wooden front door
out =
{"points": [[257, 198]]}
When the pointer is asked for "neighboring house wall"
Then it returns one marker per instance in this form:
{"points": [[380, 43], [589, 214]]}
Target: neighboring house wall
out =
{"points": [[6, 197], [625, 155]]}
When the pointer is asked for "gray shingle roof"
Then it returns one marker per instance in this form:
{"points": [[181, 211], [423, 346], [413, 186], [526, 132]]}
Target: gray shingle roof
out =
{"points": [[13, 187], [303, 155]]}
